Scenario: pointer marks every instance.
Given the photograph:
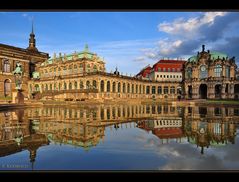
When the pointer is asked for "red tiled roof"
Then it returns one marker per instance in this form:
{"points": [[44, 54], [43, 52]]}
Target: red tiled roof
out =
{"points": [[169, 64], [168, 132], [144, 71]]}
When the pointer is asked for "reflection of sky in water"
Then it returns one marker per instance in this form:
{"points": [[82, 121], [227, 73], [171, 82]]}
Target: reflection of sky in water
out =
{"points": [[124, 148], [128, 149]]}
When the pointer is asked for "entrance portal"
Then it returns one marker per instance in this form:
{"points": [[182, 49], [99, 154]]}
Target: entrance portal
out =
{"points": [[203, 91], [190, 91], [236, 91], [218, 91]]}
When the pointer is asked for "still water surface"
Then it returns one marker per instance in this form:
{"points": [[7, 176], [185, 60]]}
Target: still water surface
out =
{"points": [[119, 137]]}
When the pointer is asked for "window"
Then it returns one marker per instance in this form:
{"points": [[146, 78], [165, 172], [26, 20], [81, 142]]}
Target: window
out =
{"points": [[128, 88], [164, 69], [123, 87], [65, 87], [189, 72], [228, 71], [114, 87], [159, 90], [95, 68], [88, 84], [81, 85], [88, 68], [164, 76], [6, 66], [70, 86], [153, 89], [165, 90], [172, 90], [108, 86], [147, 90], [94, 84], [161, 76], [173, 69], [168, 69], [75, 84], [167, 76], [218, 70], [119, 87], [102, 84], [132, 88]]}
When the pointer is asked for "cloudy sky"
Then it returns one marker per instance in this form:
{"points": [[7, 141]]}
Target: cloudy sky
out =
{"points": [[128, 40]]}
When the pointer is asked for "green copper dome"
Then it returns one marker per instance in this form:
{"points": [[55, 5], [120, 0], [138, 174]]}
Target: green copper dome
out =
{"points": [[215, 55], [193, 59]]}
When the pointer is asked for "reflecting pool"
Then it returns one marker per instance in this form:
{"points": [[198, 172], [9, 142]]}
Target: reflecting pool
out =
{"points": [[119, 137]]}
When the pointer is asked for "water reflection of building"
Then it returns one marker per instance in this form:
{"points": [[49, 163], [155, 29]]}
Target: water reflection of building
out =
{"points": [[16, 135], [85, 127]]}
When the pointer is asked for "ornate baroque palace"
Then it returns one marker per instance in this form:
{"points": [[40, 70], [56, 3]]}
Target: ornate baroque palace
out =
{"points": [[82, 76]]}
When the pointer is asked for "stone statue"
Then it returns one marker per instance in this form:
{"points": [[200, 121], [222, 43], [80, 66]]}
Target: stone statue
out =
{"points": [[18, 76]]}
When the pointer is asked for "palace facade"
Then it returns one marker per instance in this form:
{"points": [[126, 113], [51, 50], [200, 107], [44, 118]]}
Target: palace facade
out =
{"points": [[82, 76], [210, 75], [29, 59]]}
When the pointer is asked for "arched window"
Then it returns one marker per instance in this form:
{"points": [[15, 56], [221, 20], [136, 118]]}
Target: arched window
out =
{"points": [[165, 89], [136, 89], [189, 72], [108, 86], [65, 87], [7, 87], [153, 89], [88, 68], [203, 71], [95, 68], [59, 86], [228, 71], [128, 88], [81, 85], [37, 88], [143, 89], [132, 88], [218, 70], [124, 88], [6, 66], [114, 89], [102, 85], [46, 87], [75, 84], [50, 86], [147, 89], [119, 87], [172, 90], [70, 86], [70, 69], [159, 90], [81, 68], [94, 84], [88, 84]]}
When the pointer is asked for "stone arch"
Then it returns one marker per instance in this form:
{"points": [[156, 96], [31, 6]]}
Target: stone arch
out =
{"points": [[203, 91], [236, 91]]}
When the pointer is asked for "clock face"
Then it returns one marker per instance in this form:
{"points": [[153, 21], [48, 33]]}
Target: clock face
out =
{"points": [[203, 68]]}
